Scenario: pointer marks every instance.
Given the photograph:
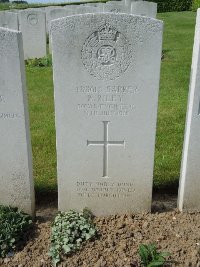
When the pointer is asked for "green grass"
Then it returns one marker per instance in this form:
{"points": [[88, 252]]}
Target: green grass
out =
{"points": [[41, 108], [4, 6], [175, 73]]}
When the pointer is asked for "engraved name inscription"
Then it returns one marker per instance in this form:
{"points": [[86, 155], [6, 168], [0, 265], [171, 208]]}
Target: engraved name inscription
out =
{"points": [[105, 189], [106, 100], [106, 53], [10, 115]]}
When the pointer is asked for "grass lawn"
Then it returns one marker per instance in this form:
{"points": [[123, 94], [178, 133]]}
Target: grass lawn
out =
{"points": [[175, 73]]}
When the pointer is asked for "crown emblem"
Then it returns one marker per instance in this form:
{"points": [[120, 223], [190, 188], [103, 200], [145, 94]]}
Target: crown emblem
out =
{"points": [[107, 32]]}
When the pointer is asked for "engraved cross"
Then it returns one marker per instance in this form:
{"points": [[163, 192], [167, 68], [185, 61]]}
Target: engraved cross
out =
{"points": [[105, 143]]}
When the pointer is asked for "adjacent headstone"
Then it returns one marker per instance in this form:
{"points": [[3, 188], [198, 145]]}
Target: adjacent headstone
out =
{"points": [[115, 1], [37, 9], [59, 13], [14, 10], [128, 2], [41, 9], [33, 27], [97, 4], [56, 14], [48, 15], [9, 20], [71, 7], [144, 8], [116, 7], [106, 79], [82, 9], [16, 180], [189, 196]]}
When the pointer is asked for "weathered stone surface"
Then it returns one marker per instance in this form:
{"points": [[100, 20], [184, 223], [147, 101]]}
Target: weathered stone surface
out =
{"points": [[55, 13], [72, 8], [189, 196], [144, 8], [100, 5], [116, 7], [128, 2], [60, 13], [16, 181], [46, 11], [32, 24], [9, 20], [14, 10], [106, 79], [37, 9], [82, 9]]}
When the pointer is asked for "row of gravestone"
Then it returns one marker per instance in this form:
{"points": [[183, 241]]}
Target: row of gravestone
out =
{"points": [[106, 70], [34, 23]]}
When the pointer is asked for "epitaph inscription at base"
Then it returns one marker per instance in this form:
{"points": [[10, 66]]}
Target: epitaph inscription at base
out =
{"points": [[106, 80]]}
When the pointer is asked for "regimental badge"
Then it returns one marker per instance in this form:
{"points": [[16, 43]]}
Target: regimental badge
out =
{"points": [[106, 53], [32, 19]]}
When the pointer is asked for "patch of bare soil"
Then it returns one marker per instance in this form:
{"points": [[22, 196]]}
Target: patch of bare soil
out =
{"points": [[118, 239]]}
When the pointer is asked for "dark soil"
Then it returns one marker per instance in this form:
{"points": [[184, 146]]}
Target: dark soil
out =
{"points": [[119, 238]]}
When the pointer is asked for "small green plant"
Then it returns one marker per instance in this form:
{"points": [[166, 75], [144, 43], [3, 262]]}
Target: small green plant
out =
{"points": [[39, 62], [150, 257], [69, 231], [13, 223]]}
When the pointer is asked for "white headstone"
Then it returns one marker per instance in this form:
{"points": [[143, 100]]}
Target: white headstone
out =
{"points": [[116, 7], [98, 4], [9, 20], [16, 181], [33, 28], [47, 8], [14, 10], [82, 9], [59, 13], [50, 15], [128, 2], [56, 14], [71, 7], [114, 2], [106, 79], [144, 8], [37, 9], [189, 188]]}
